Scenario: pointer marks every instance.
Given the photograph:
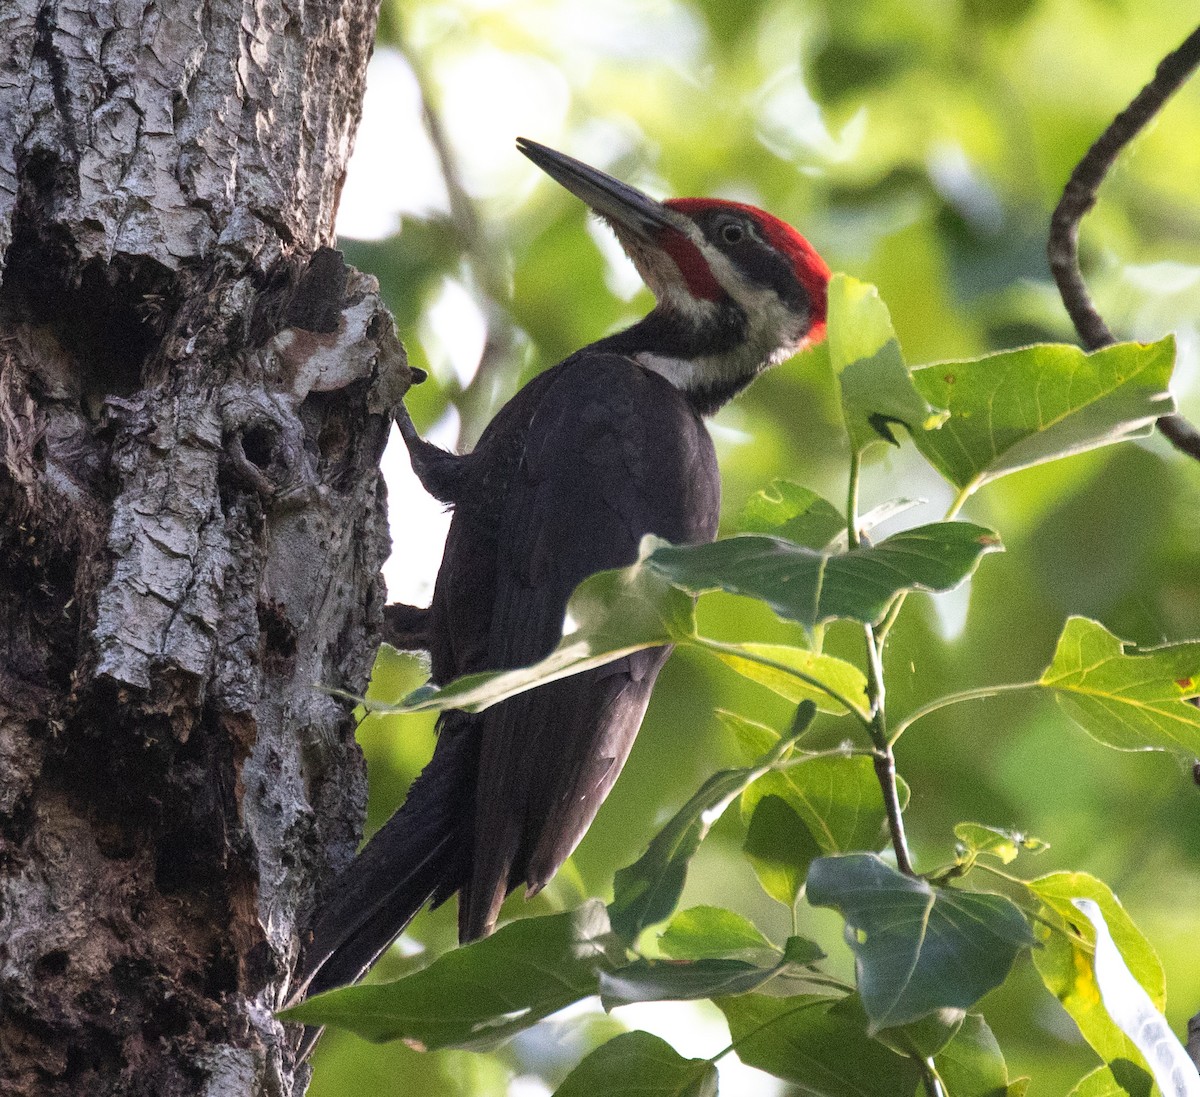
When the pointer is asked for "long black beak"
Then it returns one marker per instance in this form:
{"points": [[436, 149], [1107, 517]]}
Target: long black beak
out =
{"points": [[618, 203]]}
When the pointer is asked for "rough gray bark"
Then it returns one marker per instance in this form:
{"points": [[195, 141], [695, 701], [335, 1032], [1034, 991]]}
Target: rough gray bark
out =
{"points": [[194, 396]]}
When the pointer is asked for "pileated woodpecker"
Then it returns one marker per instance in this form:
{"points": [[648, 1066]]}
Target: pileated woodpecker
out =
{"points": [[587, 458]]}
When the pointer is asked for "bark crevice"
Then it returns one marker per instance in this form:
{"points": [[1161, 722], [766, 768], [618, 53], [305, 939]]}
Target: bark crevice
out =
{"points": [[194, 396]]}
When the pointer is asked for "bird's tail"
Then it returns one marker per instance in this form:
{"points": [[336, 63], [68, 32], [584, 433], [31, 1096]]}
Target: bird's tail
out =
{"points": [[412, 859]]}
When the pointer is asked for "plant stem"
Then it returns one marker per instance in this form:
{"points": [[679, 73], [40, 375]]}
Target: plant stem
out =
{"points": [[953, 699], [807, 679], [885, 760], [885, 771], [931, 1079]]}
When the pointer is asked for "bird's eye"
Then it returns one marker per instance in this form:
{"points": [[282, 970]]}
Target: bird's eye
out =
{"points": [[732, 234]]}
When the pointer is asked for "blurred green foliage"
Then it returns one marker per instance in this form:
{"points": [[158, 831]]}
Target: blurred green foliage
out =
{"points": [[921, 146]]}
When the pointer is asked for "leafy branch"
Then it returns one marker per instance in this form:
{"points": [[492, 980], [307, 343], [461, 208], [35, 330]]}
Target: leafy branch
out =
{"points": [[927, 948]]}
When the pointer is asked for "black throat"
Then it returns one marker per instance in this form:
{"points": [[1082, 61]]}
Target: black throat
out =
{"points": [[667, 334]]}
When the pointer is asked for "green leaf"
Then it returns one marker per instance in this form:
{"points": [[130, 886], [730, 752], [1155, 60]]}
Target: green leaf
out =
{"points": [[701, 933], [1065, 960], [924, 1038], [972, 1065], [806, 586], [819, 1043], [876, 386], [1119, 1079], [813, 527], [753, 739], [682, 980], [1022, 407], [637, 1064], [977, 839], [1135, 1014], [647, 891], [837, 798], [802, 951], [1127, 701], [479, 995], [615, 613], [918, 948], [780, 848], [842, 677], [786, 509]]}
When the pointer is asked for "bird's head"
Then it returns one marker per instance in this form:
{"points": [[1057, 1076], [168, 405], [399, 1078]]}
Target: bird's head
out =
{"points": [[738, 290]]}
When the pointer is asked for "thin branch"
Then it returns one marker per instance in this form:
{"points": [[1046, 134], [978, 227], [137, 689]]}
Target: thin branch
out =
{"points": [[1079, 196]]}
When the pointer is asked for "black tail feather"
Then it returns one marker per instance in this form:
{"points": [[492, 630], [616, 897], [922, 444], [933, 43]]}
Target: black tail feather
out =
{"points": [[415, 857]]}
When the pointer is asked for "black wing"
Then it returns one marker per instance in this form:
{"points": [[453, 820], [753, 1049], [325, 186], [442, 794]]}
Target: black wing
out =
{"points": [[611, 452]]}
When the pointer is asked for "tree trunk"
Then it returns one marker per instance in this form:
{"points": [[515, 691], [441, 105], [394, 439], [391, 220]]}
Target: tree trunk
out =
{"points": [[194, 395]]}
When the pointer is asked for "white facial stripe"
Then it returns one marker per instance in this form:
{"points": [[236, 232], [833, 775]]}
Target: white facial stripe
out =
{"points": [[773, 327], [774, 332]]}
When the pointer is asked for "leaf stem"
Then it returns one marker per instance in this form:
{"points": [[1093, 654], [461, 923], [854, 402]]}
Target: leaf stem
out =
{"points": [[979, 694], [733, 1045], [750, 657], [882, 630], [852, 500], [964, 494]]}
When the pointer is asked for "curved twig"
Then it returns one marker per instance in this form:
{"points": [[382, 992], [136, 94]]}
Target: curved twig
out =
{"points": [[1079, 196]]}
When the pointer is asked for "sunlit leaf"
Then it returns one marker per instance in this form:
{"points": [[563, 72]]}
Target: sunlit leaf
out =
{"points": [[780, 848], [876, 386], [1130, 701], [1065, 959], [843, 678], [1135, 1015], [918, 948], [701, 933], [648, 891], [1022, 407], [479, 995], [786, 509], [809, 587], [682, 980], [637, 1064], [836, 796], [753, 739], [1119, 1079], [972, 1065], [977, 839], [819, 1043], [614, 613]]}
